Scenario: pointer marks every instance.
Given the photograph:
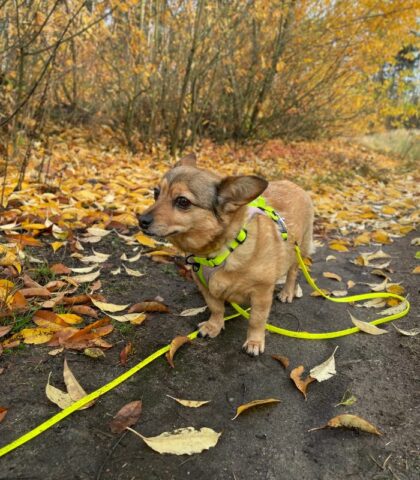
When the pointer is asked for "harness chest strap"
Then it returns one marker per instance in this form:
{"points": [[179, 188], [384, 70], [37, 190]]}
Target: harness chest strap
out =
{"points": [[205, 267]]}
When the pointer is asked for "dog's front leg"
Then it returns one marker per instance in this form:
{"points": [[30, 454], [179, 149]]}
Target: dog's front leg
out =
{"points": [[216, 322], [261, 301]]}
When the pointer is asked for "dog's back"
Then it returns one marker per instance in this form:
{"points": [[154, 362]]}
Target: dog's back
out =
{"points": [[295, 206]]}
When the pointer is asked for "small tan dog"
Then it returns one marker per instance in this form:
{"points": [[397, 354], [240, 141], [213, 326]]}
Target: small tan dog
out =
{"points": [[201, 213]]}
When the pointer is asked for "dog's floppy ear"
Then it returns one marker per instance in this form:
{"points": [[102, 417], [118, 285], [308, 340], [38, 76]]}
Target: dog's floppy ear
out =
{"points": [[189, 160], [236, 191]]}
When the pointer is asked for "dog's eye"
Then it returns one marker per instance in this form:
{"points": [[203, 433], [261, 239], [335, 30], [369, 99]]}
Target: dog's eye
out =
{"points": [[156, 192], [182, 202]]}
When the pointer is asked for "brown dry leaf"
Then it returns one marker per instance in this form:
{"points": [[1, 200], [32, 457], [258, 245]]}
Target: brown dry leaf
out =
{"points": [[127, 416], [83, 298], [416, 270], [35, 292], [367, 327], [74, 388], [350, 284], [125, 352], [339, 293], [296, 376], [190, 403], [283, 360], [139, 319], [325, 370], [84, 269], [184, 441], [176, 343], [347, 420], [149, 307], [392, 311], [332, 276], [330, 258], [4, 330], [84, 310], [3, 412], [254, 403]]}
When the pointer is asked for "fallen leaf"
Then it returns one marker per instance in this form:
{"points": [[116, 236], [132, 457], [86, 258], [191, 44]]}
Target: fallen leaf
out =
{"points": [[149, 307], [350, 284], [338, 246], [332, 276], [339, 293], [94, 352], [84, 269], [35, 292], [190, 403], [395, 288], [176, 343], [283, 360], [116, 271], [125, 352], [108, 307], [70, 318], [84, 310], [325, 370], [408, 333], [56, 351], [415, 242], [36, 336], [133, 259], [347, 400], [3, 412], [184, 441], [362, 239], [97, 258], [129, 317], [190, 312], [57, 396], [98, 232], [127, 416], [60, 269], [88, 277], [374, 303], [416, 270], [301, 385], [57, 245], [347, 420], [394, 310], [254, 403], [367, 327], [4, 330], [132, 273], [145, 240], [330, 258], [380, 236], [74, 388]]}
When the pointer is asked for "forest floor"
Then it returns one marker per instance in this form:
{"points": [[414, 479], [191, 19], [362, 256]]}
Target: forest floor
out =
{"points": [[365, 202]]}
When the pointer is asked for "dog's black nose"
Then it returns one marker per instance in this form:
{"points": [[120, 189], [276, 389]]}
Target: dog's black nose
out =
{"points": [[145, 221]]}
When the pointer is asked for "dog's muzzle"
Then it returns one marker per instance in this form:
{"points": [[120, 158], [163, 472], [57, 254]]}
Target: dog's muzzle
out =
{"points": [[145, 221]]}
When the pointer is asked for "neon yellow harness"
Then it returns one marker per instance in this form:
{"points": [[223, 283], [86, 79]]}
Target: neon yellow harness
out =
{"points": [[260, 203]]}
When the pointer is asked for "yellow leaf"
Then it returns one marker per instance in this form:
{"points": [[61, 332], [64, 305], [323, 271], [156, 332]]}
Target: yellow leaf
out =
{"points": [[350, 421], [190, 403], [57, 245], [332, 276], [395, 288], [145, 240], [416, 270], [362, 239], [108, 307], [70, 318], [254, 403], [380, 236], [36, 336], [339, 247]]}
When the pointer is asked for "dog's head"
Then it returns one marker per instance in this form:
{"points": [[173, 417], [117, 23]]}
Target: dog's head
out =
{"points": [[193, 206]]}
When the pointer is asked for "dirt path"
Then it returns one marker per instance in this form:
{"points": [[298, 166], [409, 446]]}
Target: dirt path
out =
{"points": [[271, 443]]}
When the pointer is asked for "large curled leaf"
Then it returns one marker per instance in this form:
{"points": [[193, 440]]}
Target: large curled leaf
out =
{"points": [[184, 441]]}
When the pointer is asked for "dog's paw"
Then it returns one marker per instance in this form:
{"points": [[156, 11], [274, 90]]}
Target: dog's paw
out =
{"points": [[254, 347], [209, 329], [286, 295]]}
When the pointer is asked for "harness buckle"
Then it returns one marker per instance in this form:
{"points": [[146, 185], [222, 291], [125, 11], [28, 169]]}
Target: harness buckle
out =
{"points": [[190, 261]]}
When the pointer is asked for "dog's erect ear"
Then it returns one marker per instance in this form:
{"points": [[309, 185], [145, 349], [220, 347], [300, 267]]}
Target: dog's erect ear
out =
{"points": [[234, 192], [189, 160]]}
